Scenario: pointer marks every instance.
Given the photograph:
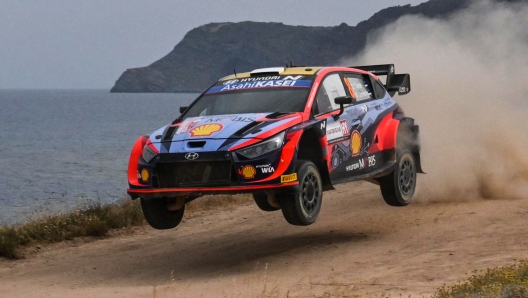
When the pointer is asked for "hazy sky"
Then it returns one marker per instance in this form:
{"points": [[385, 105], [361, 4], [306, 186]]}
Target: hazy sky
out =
{"points": [[88, 44]]}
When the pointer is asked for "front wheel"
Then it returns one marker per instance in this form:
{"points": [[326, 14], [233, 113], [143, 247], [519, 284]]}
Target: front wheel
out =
{"points": [[303, 207], [398, 187], [158, 216]]}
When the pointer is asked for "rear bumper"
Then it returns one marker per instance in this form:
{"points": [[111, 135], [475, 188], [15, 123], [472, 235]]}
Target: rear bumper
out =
{"points": [[151, 193]]}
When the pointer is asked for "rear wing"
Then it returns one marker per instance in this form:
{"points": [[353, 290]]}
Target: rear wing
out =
{"points": [[400, 83]]}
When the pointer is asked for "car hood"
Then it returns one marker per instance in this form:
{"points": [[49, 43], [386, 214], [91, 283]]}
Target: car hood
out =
{"points": [[221, 133]]}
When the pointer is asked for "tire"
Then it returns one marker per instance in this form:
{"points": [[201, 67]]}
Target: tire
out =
{"points": [[398, 187], [157, 215], [262, 202], [303, 207]]}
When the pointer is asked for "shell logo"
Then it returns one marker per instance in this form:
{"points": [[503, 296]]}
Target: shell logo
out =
{"points": [[355, 143], [144, 175], [206, 130], [249, 172]]}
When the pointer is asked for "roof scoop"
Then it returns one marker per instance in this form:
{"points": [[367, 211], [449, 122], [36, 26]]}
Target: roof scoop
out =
{"points": [[267, 71]]}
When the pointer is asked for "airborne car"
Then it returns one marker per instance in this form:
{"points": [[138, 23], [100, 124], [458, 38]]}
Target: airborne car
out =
{"points": [[285, 135]]}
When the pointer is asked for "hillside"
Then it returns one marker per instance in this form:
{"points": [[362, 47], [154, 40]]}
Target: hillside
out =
{"points": [[214, 50]]}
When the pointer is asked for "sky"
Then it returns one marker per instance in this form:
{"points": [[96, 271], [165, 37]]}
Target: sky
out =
{"points": [[67, 44]]}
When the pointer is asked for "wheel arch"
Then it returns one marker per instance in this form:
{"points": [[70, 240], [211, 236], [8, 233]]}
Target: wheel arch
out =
{"points": [[135, 154], [318, 154], [408, 135]]}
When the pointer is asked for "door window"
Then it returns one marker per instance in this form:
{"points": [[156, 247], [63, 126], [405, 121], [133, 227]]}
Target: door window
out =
{"points": [[331, 88], [359, 87]]}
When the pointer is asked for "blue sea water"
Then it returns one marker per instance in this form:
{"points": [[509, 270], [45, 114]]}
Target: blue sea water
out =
{"points": [[64, 149]]}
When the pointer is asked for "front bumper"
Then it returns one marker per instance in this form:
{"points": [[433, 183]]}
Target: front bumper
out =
{"points": [[172, 174], [151, 193]]}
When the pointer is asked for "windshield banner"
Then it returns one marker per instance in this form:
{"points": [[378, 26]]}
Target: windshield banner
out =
{"points": [[261, 84]]}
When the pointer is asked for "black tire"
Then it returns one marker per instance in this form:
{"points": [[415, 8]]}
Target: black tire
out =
{"points": [[303, 207], [262, 202], [157, 215], [398, 187]]}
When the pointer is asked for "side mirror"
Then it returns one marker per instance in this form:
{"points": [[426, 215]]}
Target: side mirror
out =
{"points": [[342, 100], [182, 109]]}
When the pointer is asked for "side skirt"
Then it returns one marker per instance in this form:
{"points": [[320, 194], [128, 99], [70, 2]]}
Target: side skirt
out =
{"points": [[386, 169]]}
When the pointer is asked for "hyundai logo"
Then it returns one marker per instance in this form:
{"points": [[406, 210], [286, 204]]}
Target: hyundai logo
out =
{"points": [[191, 156]]}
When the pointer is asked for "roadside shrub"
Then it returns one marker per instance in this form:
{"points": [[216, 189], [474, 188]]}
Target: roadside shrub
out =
{"points": [[95, 220], [505, 282]]}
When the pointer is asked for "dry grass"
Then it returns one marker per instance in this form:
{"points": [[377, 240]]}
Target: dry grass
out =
{"points": [[96, 220], [503, 282]]}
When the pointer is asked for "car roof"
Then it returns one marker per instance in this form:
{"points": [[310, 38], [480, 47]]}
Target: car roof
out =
{"points": [[281, 71]]}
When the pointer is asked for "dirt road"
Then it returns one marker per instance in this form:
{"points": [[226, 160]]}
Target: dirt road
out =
{"points": [[358, 247]]}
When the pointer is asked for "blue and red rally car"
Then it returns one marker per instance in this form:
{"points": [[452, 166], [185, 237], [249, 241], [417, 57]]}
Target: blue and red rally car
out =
{"points": [[285, 135]]}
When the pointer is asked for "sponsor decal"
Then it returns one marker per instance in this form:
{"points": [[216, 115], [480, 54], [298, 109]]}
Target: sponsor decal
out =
{"points": [[248, 172], [355, 143], [231, 82], [233, 118], [289, 178], [261, 84], [206, 130], [369, 161], [360, 164], [187, 124], [266, 169], [268, 78], [364, 108], [337, 132], [144, 174]]}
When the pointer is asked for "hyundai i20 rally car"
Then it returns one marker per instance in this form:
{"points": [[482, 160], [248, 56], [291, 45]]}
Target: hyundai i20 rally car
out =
{"points": [[285, 135]]}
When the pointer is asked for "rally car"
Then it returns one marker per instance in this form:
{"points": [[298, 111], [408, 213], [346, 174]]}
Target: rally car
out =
{"points": [[284, 135]]}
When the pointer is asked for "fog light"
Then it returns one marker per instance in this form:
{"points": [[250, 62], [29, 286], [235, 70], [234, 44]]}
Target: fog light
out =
{"points": [[144, 175]]}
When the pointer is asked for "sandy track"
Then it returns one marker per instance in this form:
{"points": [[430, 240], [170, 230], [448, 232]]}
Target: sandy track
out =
{"points": [[359, 247]]}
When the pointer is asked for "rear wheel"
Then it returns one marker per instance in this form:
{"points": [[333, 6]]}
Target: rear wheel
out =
{"points": [[262, 202], [303, 207], [158, 216], [398, 187]]}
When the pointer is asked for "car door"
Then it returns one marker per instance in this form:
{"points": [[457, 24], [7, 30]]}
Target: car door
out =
{"points": [[344, 141], [363, 112]]}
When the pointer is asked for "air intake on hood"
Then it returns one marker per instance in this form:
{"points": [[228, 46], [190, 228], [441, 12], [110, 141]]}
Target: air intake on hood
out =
{"points": [[245, 130], [198, 144]]}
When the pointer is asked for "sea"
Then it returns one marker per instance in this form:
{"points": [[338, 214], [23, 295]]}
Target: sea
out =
{"points": [[61, 150]]}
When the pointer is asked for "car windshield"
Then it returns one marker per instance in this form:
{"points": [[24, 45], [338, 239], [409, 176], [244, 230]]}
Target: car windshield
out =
{"points": [[265, 100]]}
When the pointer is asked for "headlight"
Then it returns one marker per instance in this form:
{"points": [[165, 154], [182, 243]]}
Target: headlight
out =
{"points": [[148, 154], [263, 147]]}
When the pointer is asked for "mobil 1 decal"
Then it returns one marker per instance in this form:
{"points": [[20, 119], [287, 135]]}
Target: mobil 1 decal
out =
{"points": [[256, 170]]}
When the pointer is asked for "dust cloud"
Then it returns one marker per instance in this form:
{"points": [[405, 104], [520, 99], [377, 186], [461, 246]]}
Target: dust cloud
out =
{"points": [[469, 78]]}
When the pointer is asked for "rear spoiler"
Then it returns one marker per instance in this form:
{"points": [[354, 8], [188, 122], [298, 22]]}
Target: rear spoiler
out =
{"points": [[400, 83]]}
